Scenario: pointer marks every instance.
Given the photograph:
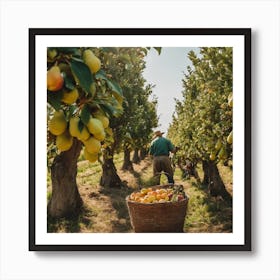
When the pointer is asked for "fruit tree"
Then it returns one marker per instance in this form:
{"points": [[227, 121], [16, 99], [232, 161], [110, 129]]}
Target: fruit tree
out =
{"points": [[126, 66], [81, 100], [91, 93], [202, 122]]}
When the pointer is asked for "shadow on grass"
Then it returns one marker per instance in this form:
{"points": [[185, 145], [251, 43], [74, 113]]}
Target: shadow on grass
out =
{"points": [[206, 213], [70, 224], [135, 173], [138, 175], [117, 197]]}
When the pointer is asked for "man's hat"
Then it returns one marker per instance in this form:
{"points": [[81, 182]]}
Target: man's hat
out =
{"points": [[158, 133]]}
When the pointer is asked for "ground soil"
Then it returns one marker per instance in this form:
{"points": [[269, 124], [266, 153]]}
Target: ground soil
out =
{"points": [[105, 209]]}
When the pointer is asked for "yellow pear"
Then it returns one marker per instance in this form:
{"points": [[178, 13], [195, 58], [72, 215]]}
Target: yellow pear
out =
{"points": [[89, 156], [92, 145], [212, 156], [103, 119], [91, 61], [95, 126], [230, 101], [229, 138], [64, 142], [54, 79], [70, 97], [73, 126], [75, 131], [100, 136], [58, 123], [222, 155], [84, 134], [218, 145], [109, 131]]}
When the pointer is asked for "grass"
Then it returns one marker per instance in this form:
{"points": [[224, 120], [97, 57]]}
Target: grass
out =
{"points": [[105, 209], [78, 223], [205, 213]]}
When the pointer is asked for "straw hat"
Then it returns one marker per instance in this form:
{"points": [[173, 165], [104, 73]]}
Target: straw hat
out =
{"points": [[158, 133]]}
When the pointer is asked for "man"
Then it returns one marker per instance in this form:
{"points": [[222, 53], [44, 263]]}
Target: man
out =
{"points": [[160, 149]]}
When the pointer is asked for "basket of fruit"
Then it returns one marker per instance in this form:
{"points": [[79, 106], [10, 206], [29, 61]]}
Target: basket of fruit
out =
{"points": [[158, 209]]}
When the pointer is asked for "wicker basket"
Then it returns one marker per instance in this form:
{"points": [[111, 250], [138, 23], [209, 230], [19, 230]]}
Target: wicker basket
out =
{"points": [[157, 217]]}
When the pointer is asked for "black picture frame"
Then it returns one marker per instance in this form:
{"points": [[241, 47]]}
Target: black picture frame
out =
{"points": [[245, 33]]}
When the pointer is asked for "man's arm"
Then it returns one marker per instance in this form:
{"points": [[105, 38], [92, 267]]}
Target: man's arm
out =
{"points": [[171, 147]]}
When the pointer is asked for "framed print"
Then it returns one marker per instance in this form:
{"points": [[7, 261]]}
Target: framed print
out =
{"points": [[140, 139]]}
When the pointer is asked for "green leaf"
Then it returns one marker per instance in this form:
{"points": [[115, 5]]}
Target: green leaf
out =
{"points": [[116, 89], [54, 99], [80, 125], [101, 75], [111, 110], [69, 82], [56, 104], [83, 74], [72, 110], [68, 50], [118, 97], [158, 49], [85, 114]]}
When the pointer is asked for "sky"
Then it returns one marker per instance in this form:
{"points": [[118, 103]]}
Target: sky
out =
{"points": [[166, 72]]}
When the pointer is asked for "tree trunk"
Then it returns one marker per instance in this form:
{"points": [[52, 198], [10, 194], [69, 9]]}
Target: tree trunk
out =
{"points": [[136, 158], [109, 177], [206, 170], [143, 153], [65, 200], [127, 163], [216, 185]]}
